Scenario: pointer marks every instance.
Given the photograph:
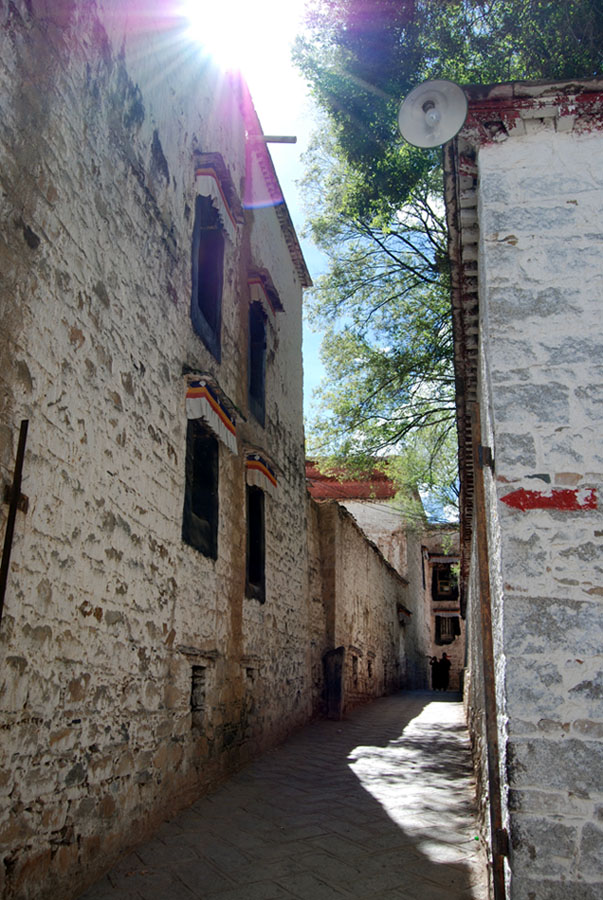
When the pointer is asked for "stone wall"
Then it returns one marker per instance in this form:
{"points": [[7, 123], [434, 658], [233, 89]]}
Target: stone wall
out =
{"points": [[418, 631], [403, 544], [385, 526], [134, 671], [541, 274], [361, 595]]}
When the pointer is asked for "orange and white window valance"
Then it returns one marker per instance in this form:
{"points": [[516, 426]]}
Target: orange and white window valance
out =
{"points": [[262, 290], [203, 402], [259, 472], [212, 179]]}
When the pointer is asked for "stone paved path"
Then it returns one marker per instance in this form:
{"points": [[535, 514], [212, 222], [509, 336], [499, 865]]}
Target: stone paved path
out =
{"points": [[378, 806]]}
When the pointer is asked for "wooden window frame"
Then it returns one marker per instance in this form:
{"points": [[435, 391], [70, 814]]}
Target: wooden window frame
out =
{"points": [[201, 501], [255, 570], [207, 275]]}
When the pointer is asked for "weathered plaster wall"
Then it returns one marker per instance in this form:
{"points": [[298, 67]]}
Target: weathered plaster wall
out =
{"points": [[383, 525], [361, 593], [541, 277], [321, 570], [107, 610], [418, 631], [401, 545]]}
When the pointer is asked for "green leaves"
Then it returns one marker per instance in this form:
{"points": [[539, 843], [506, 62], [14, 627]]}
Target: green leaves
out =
{"points": [[377, 207]]}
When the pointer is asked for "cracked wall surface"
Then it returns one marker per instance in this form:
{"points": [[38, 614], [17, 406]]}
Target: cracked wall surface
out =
{"points": [[110, 617], [540, 192]]}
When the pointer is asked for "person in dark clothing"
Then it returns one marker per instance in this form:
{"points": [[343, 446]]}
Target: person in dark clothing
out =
{"points": [[444, 666], [436, 673]]}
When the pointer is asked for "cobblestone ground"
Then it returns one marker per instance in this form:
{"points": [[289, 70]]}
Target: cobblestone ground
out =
{"points": [[378, 806]]}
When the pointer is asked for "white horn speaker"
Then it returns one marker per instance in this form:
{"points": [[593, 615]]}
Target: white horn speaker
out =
{"points": [[432, 113]]}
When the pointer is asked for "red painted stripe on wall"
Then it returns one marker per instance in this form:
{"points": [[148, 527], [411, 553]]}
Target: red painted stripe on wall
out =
{"points": [[565, 499]]}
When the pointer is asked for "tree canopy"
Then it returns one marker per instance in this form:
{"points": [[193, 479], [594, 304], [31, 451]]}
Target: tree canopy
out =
{"points": [[377, 209]]}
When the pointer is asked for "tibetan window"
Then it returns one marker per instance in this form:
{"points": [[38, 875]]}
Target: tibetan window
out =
{"points": [[200, 515], [257, 362], [256, 545], [207, 274]]}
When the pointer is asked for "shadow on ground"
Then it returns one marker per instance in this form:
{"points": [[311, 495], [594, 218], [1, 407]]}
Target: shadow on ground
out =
{"points": [[378, 805]]}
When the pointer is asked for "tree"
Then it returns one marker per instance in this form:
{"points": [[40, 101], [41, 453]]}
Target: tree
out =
{"points": [[377, 202], [384, 309]]}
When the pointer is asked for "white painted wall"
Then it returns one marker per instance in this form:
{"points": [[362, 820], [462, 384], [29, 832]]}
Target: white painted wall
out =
{"points": [[541, 393], [107, 609]]}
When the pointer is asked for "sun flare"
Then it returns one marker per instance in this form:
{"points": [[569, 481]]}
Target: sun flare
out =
{"points": [[238, 34]]}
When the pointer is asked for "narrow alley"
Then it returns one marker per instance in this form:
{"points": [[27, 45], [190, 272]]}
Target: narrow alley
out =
{"points": [[378, 805]]}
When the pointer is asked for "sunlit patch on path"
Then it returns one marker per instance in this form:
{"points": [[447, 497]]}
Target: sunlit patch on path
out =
{"points": [[378, 805], [421, 781]]}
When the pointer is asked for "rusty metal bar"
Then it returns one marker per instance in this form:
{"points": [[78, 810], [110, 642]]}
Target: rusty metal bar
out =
{"points": [[499, 835], [15, 494]]}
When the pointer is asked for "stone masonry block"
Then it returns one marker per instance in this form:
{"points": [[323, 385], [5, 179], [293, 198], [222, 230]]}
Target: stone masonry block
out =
{"points": [[526, 888], [514, 304], [561, 448], [546, 186], [552, 626], [541, 845], [548, 803], [591, 857], [540, 763], [532, 404], [587, 695], [535, 688], [514, 450], [589, 399], [526, 556], [532, 219], [570, 351]]}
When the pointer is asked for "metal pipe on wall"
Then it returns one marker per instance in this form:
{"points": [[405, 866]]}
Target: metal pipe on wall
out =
{"points": [[499, 834], [14, 496]]}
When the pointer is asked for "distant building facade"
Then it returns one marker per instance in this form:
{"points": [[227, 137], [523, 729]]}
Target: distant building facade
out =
{"points": [[440, 579], [425, 556], [524, 182]]}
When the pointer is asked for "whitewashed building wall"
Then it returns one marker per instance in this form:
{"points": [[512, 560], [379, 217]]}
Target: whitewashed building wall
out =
{"points": [[134, 670], [535, 180]]}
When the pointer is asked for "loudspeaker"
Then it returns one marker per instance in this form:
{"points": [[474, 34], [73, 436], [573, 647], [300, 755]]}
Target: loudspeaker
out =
{"points": [[432, 113]]}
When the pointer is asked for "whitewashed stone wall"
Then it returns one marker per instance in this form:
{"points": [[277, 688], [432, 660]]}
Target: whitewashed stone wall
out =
{"points": [[402, 546], [418, 632], [361, 592], [384, 525], [541, 283], [107, 610]]}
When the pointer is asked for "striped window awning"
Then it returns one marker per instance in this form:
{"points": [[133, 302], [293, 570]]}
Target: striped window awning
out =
{"points": [[203, 402], [259, 472], [262, 290], [212, 179]]}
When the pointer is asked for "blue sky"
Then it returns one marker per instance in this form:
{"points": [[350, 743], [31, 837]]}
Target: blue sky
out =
{"points": [[284, 108], [258, 43]]}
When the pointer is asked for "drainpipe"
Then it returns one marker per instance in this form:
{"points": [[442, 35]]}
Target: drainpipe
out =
{"points": [[500, 841], [15, 502]]}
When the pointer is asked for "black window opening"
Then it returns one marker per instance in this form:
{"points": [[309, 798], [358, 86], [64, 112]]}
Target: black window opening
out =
{"points": [[198, 690], [444, 584], [447, 629], [207, 275], [200, 516], [257, 362], [255, 586]]}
